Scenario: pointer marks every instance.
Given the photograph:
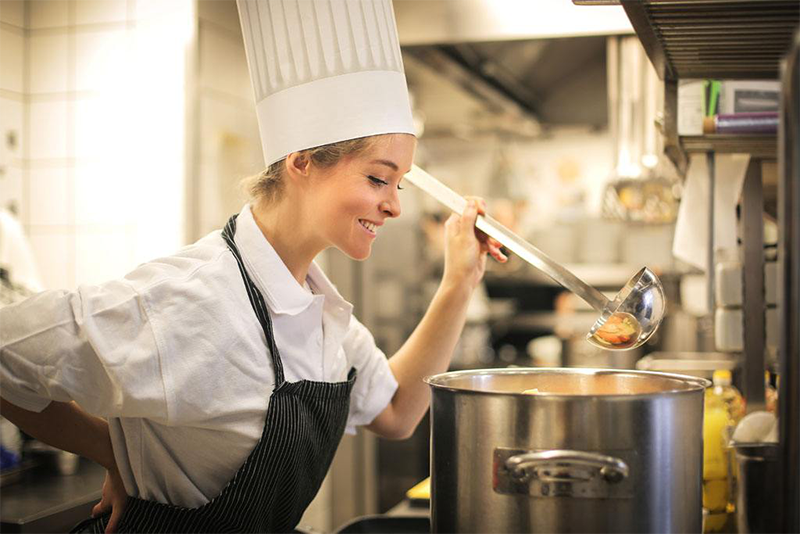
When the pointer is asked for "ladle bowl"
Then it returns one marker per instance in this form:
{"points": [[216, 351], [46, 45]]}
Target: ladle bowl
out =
{"points": [[639, 307], [643, 299]]}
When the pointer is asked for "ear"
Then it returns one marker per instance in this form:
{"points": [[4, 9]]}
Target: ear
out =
{"points": [[298, 165]]}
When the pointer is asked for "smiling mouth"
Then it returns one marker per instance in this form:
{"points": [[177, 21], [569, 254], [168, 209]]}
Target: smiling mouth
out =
{"points": [[368, 226]]}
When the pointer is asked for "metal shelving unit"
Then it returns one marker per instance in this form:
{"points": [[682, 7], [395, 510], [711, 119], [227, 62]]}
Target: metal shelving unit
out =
{"points": [[758, 146], [720, 39], [742, 39], [723, 39]]}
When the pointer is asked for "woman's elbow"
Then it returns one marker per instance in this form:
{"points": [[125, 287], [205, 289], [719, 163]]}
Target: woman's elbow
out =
{"points": [[399, 433], [390, 425]]}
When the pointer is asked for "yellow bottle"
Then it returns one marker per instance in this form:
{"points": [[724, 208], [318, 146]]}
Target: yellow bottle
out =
{"points": [[731, 396], [724, 407]]}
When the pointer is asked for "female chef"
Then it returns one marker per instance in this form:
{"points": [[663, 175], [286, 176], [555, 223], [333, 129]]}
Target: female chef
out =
{"points": [[215, 384]]}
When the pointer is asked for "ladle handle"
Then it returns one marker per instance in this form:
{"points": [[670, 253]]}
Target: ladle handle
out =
{"points": [[509, 239]]}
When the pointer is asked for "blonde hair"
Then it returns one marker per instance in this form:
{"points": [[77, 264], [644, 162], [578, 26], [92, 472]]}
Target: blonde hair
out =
{"points": [[268, 184]]}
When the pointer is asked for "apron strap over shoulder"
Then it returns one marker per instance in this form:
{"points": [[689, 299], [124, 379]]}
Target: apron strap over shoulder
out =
{"points": [[256, 301]]}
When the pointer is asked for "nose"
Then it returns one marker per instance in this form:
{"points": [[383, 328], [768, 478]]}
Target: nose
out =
{"points": [[391, 205]]}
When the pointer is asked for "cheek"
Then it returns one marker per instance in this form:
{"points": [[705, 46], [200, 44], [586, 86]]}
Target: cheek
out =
{"points": [[355, 203], [337, 211]]}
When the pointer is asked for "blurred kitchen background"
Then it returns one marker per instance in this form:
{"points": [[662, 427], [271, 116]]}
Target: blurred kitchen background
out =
{"points": [[127, 125]]}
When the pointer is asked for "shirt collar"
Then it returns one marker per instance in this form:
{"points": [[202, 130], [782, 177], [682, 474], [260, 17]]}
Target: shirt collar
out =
{"points": [[270, 275], [323, 286]]}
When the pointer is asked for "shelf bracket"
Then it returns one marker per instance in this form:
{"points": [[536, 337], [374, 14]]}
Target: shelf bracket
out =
{"points": [[672, 143]]}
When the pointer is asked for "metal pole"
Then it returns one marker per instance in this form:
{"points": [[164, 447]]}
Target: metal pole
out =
{"points": [[753, 307], [789, 290], [710, 160]]}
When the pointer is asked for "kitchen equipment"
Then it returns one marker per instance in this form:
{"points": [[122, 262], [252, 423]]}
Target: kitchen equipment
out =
{"points": [[699, 364], [593, 451], [577, 353], [757, 499], [420, 492], [385, 524], [641, 303]]}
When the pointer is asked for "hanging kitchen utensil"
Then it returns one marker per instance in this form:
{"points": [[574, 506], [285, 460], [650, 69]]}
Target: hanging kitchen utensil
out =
{"points": [[625, 322]]}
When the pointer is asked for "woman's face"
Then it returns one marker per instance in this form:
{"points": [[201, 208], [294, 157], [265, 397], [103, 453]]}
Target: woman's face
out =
{"points": [[353, 199]]}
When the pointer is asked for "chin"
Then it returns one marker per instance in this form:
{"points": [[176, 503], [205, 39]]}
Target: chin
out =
{"points": [[358, 254]]}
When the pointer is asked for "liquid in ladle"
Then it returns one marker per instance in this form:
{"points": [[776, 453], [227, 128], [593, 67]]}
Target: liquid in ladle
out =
{"points": [[620, 331]]}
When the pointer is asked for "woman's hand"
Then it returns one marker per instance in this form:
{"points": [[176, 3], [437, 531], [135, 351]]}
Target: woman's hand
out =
{"points": [[466, 246], [114, 499]]}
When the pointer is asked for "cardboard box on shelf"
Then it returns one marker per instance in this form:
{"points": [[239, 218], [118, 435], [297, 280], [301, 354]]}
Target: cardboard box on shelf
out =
{"points": [[749, 96]]}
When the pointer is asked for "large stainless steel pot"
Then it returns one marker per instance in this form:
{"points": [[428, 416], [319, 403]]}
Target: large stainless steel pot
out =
{"points": [[594, 451]]}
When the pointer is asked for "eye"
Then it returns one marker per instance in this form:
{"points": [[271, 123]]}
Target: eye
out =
{"points": [[378, 182]]}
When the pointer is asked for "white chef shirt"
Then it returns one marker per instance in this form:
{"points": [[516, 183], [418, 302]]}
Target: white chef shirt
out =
{"points": [[174, 357]]}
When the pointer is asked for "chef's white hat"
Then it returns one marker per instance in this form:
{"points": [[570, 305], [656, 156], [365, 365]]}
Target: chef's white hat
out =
{"points": [[323, 71]]}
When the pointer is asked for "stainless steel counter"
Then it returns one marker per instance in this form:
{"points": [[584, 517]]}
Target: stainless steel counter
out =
{"points": [[44, 501]]}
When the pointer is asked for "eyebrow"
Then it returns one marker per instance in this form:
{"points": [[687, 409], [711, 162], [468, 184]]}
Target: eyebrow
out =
{"points": [[386, 162]]}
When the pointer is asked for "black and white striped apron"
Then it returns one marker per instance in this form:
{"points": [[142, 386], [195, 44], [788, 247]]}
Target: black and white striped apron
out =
{"points": [[271, 490]]}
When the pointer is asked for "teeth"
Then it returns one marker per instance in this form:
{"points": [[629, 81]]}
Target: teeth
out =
{"points": [[368, 225]]}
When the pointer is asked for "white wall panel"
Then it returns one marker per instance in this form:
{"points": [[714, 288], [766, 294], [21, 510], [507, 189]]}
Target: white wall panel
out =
{"points": [[55, 256], [106, 193], [223, 66], [48, 13], [102, 254], [11, 191], [103, 60], [219, 13], [100, 11], [11, 112], [48, 63], [11, 60], [13, 12], [48, 130], [51, 197]]}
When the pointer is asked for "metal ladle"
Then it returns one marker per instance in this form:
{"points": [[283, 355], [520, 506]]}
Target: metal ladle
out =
{"points": [[640, 304]]}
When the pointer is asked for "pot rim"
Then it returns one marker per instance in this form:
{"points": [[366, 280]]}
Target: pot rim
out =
{"points": [[695, 384]]}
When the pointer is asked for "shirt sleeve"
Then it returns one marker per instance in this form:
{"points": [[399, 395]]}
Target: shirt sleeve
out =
{"points": [[375, 385], [94, 346]]}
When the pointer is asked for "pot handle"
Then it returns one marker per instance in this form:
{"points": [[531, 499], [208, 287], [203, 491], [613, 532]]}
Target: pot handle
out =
{"points": [[611, 469]]}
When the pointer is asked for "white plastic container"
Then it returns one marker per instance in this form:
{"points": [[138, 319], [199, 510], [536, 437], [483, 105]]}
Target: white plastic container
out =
{"points": [[691, 106]]}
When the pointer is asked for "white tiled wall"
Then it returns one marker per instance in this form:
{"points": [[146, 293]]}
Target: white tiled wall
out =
{"points": [[54, 250], [13, 12], [12, 105], [48, 13], [96, 92], [104, 54], [228, 142], [97, 194], [48, 63], [223, 67], [100, 11], [51, 190], [11, 190], [48, 129], [220, 14], [12, 115], [11, 54], [103, 250]]}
